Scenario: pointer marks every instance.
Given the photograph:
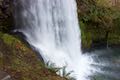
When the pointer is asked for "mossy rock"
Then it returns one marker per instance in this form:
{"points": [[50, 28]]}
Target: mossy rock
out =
{"points": [[20, 62]]}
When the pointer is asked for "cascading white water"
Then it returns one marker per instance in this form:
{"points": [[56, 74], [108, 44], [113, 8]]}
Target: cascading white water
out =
{"points": [[51, 26]]}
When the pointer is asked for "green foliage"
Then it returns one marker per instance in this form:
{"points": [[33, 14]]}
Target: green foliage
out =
{"points": [[96, 19], [52, 67], [61, 71], [67, 74], [86, 36]]}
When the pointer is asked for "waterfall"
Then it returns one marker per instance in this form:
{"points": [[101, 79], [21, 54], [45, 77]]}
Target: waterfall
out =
{"points": [[51, 27]]}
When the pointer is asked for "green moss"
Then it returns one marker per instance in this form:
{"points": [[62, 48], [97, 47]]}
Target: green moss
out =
{"points": [[8, 39], [21, 62], [13, 41]]}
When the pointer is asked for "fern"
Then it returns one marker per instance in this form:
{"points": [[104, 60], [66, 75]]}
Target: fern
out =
{"points": [[61, 71]]}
